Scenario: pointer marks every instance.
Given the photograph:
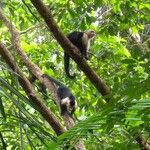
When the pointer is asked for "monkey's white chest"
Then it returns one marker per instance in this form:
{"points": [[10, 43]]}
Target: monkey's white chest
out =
{"points": [[88, 45], [86, 41], [65, 101]]}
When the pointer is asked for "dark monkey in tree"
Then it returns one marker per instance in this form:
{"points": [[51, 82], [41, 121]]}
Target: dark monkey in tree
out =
{"points": [[67, 99], [82, 41]]}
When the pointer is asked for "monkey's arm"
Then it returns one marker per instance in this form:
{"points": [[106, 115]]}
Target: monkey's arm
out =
{"points": [[66, 65], [85, 46]]}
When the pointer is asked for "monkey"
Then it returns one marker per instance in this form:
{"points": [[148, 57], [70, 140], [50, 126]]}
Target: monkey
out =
{"points": [[67, 99], [82, 41]]}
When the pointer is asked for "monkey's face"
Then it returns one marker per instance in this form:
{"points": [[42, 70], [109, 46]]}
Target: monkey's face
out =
{"points": [[91, 34], [65, 102]]}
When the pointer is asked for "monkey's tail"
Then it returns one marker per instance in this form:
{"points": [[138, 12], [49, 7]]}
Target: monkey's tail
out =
{"points": [[66, 65], [52, 80]]}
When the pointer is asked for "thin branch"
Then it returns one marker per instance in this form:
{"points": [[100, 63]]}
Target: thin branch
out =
{"points": [[23, 1], [32, 28]]}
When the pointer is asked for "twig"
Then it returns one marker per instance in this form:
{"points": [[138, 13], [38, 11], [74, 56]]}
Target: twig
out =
{"points": [[32, 28], [30, 10]]}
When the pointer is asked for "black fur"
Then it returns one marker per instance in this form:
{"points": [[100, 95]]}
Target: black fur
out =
{"points": [[62, 93], [76, 39]]}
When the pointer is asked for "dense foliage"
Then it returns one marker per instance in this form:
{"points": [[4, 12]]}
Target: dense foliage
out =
{"points": [[120, 55]]}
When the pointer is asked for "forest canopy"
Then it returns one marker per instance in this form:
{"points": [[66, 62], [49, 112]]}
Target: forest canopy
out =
{"points": [[111, 89]]}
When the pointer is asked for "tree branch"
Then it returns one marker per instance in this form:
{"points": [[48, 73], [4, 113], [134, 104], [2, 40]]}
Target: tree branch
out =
{"points": [[34, 69], [73, 52], [70, 48], [27, 86], [69, 122], [32, 28]]}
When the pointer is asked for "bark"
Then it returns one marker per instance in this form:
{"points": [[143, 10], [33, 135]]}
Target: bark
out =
{"points": [[34, 99], [144, 145], [35, 70], [71, 49], [74, 53]]}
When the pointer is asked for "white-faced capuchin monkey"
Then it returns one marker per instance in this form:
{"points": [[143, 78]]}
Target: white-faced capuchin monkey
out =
{"points": [[82, 41], [67, 99]]}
